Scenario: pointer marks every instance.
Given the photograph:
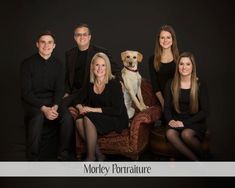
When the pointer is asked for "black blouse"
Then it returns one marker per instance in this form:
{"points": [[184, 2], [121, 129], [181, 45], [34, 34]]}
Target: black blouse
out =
{"points": [[185, 116], [111, 101], [160, 78]]}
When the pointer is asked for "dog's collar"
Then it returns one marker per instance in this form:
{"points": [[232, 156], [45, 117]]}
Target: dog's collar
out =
{"points": [[131, 69]]}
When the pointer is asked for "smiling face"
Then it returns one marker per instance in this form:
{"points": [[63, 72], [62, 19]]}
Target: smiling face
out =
{"points": [[165, 39], [185, 66], [45, 45], [99, 67], [82, 37]]}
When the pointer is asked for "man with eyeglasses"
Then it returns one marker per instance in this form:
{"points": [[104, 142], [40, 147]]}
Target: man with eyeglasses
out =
{"points": [[78, 63]]}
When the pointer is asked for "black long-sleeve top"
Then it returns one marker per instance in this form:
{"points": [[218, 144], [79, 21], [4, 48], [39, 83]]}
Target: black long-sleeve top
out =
{"points": [[42, 81], [160, 78], [111, 101], [185, 116]]}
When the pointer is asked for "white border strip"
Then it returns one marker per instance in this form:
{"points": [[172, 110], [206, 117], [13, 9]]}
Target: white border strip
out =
{"points": [[117, 169]]}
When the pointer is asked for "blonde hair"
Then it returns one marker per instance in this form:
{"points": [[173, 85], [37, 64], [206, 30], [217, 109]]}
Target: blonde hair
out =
{"points": [[158, 49], [108, 74], [175, 85]]}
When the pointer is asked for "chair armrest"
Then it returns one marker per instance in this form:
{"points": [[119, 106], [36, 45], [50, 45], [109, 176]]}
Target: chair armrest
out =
{"points": [[146, 117], [140, 127]]}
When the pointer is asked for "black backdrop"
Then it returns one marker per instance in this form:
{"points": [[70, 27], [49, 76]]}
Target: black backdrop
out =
{"points": [[205, 28]]}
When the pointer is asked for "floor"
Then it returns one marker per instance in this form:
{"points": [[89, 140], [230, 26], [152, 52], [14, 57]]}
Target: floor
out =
{"points": [[16, 151]]}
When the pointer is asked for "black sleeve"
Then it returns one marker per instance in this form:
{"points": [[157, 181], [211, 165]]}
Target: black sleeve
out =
{"points": [[26, 86], [203, 106], [117, 99], [67, 88], [168, 102], [153, 75], [82, 96], [115, 66], [59, 84]]}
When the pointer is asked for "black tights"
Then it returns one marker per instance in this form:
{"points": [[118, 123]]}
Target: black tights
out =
{"points": [[87, 131], [185, 142]]}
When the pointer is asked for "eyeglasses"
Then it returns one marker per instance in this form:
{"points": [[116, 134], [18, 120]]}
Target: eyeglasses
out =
{"points": [[81, 34]]}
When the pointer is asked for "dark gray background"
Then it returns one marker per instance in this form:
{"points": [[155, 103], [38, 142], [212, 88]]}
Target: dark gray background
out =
{"points": [[205, 28]]}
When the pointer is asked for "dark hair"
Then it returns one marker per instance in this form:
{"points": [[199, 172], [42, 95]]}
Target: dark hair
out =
{"points": [[46, 32], [83, 25]]}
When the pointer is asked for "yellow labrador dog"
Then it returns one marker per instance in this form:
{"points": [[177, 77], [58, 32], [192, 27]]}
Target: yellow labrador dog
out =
{"points": [[132, 81]]}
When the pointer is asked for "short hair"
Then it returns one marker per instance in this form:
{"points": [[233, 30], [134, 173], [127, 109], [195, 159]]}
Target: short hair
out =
{"points": [[80, 25], [46, 32], [108, 75]]}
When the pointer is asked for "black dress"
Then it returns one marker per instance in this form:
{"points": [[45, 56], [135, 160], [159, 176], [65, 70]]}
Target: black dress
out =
{"points": [[197, 121], [114, 114], [160, 78]]}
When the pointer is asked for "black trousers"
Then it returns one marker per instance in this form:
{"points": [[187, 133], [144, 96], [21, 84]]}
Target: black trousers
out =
{"points": [[35, 122]]}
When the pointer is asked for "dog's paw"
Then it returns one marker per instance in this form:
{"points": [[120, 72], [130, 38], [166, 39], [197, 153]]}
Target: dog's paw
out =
{"points": [[144, 107]]}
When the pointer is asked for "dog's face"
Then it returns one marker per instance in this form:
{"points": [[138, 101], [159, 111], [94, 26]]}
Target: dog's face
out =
{"points": [[131, 59]]}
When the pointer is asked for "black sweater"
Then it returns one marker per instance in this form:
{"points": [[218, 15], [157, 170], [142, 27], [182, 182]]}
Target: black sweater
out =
{"points": [[42, 81]]}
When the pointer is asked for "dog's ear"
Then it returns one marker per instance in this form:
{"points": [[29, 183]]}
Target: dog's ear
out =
{"points": [[139, 57], [123, 55]]}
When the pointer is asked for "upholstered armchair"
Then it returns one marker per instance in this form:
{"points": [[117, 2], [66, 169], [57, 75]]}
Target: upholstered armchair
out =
{"points": [[133, 140]]}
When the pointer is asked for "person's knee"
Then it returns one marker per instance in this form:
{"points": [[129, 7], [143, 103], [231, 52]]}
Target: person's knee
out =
{"points": [[187, 134], [86, 119], [170, 133], [79, 122]]}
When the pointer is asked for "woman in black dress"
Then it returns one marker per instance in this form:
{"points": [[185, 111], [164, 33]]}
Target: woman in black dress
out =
{"points": [[162, 64], [103, 109], [186, 108]]}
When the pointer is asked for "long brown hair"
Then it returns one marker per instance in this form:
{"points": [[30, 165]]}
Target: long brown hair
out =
{"points": [[175, 85], [158, 48]]}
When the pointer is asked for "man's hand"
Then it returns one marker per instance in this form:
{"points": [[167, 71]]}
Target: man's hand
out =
{"points": [[66, 95], [49, 112], [55, 107]]}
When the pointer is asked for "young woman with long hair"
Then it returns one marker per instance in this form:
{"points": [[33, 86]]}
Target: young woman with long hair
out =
{"points": [[186, 108]]}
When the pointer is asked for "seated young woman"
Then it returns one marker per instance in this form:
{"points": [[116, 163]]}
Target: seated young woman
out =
{"points": [[186, 108]]}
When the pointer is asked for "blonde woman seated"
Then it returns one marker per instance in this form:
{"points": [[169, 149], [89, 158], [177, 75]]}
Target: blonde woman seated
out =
{"points": [[102, 109], [186, 108]]}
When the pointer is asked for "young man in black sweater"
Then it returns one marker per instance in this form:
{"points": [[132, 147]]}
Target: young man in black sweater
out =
{"points": [[42, 89]]}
